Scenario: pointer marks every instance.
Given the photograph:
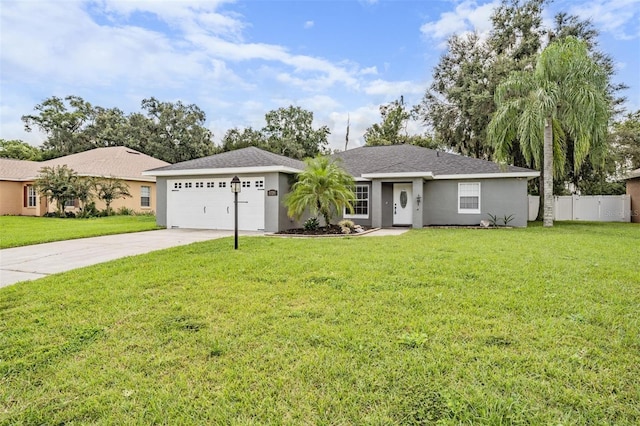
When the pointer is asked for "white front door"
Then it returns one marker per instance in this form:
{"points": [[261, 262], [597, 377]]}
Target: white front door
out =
{"points": [[402, 204]]}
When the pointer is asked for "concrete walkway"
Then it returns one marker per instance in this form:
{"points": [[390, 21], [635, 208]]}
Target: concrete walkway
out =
{"points": [[383, 232], [37, 261]]}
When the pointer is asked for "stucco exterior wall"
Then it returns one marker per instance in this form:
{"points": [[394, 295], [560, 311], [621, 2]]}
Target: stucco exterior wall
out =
{"points": [[161, 201], [507, 196], [633, 190], [284, 221], [135, 201], [12, 200]]}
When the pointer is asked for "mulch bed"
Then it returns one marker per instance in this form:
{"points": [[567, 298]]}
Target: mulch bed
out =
{"points": [[328, 230]]}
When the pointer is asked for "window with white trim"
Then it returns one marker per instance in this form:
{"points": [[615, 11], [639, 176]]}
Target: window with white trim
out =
{"points": [[145, 196], [360, 204], [469, 197], [246, 184], [31, 196]]}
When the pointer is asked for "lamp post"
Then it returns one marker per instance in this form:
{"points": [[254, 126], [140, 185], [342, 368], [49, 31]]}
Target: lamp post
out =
{"points": [[235, 188]]}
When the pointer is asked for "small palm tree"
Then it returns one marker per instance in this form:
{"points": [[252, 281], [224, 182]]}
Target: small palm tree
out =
{"points": [[323, 188], [567, 92], [109, 189]]}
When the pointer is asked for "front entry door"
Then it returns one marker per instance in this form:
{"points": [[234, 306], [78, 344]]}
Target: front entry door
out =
{"points": [[402, 204]]}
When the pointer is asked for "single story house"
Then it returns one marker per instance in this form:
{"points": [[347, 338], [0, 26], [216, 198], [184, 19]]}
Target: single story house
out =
{"points": [[633, 190], [397, 185], [18, 195]]}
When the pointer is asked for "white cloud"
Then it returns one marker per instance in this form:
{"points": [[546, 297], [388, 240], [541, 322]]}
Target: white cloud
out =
{"points": [[369, 71], [319, 104], [621, 18], [468, 16], [393, 89], [360, 119], [115, 53], [309, 24]]}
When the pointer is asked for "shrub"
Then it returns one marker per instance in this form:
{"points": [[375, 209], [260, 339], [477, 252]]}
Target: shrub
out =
{"points": [[89, 210], [125, 211], [311, 224], [506, 219], [346, 226], [346, 223]]}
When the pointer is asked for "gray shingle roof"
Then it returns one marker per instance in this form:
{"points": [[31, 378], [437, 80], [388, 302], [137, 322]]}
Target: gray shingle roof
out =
{"points": [[411, 158], [245, 157], [358, 161]]}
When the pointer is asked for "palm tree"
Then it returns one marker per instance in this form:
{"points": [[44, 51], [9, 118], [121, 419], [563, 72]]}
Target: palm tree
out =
{"points": [[566, 94], [323, 187], [109, 189]]}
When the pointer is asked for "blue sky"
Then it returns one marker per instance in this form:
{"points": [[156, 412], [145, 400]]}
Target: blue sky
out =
{"points": [[239, 60]]}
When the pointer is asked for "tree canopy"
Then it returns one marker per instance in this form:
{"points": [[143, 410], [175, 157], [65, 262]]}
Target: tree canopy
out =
{"points": [[625, 138], [165, 130], [393, 128], [288, 131], [460, 102], [61, 184], [19, 150]]}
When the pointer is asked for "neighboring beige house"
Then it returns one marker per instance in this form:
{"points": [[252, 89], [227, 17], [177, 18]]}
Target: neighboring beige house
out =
{"points": [[18, 195], [633, 190]]}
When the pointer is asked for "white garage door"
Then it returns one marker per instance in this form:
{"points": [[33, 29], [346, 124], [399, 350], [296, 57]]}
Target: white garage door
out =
{"points": [[207, 203]]}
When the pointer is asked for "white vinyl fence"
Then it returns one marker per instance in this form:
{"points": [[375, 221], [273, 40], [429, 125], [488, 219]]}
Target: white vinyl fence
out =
{"points": [[597, 208]]}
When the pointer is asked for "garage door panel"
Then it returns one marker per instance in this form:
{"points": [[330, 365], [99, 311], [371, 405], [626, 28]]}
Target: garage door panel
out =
{"points": [[208, 204]]}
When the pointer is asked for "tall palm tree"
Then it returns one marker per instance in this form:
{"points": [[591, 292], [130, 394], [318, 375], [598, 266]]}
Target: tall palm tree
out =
{"points": [[566, 94], [323, 187]]}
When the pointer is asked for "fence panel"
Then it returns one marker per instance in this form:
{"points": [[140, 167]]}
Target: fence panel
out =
{"points": [[597, 208]]}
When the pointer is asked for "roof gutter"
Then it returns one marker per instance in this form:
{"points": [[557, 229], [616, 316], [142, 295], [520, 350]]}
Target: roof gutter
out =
{"points": [[401, 175], [222, 171], [528, 175]]}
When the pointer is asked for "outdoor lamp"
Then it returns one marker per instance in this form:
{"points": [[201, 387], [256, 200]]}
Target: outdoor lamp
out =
{"points": [[235, 188], [235, 185]]}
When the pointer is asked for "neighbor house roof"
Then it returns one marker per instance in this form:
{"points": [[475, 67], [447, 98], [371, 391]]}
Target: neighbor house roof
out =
{"points": [[250, 160], [118, 162], [634, 174], [411, 160], [18, 170]]}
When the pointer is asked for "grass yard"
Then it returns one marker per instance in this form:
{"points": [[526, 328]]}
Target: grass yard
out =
{"points": [[448, 326], [18, 231]]}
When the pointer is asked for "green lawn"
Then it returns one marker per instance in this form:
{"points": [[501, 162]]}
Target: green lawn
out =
{"points": [[18, 231], [521, 326]]}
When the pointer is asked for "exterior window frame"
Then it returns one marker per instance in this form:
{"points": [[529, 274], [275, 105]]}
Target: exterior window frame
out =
{"points": [[466, 193], [144, 198], [32, 197], [366, 200]]}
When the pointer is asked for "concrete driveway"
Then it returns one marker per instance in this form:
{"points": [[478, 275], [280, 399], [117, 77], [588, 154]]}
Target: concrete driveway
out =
{"points": [[37, 261]]}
